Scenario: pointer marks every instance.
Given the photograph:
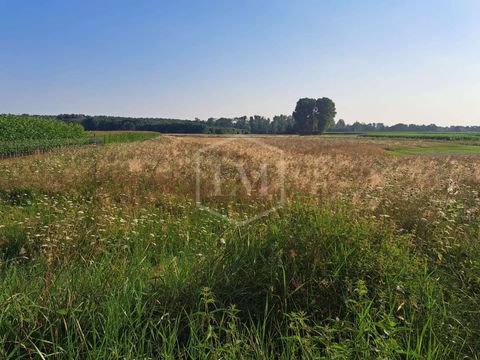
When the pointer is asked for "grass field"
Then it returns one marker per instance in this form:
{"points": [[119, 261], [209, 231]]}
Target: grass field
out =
{"points": [[113, 137], [104, 253], [449, 136], [436, 149], [435, 144]]}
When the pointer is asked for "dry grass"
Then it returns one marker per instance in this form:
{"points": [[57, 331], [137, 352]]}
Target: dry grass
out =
{"points": [[163, 170], [322, 167]]}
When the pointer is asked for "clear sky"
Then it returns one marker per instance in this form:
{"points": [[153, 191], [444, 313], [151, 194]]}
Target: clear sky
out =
{"points": [[413, 61]]}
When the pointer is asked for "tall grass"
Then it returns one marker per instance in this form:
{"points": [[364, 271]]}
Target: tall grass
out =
{"points": [[101, 260], [177, 283], [125, 137]]}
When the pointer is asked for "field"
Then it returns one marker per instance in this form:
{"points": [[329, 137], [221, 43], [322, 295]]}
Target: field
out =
{"points": [[20, 135], [449, 136], [433, 143], [112, 137], [105, 254], [436, 149]]}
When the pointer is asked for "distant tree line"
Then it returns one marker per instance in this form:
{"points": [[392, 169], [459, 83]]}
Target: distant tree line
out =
{"points": [[281, 124], [113, 123], [311, 116], [341, 126]]}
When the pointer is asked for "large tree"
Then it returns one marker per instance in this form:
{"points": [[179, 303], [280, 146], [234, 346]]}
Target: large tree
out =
{"points": [[326, 113], [314, 116], [304, 115]]}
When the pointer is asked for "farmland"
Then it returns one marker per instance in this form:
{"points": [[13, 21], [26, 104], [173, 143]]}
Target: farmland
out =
{"points": [[17, 128], [112, 137], [450, 136], [24, 134], [104, 253]]}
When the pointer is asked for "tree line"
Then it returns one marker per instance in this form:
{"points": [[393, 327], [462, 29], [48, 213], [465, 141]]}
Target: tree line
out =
{"points": [[281, 124], [310, 116], [342, 126]]}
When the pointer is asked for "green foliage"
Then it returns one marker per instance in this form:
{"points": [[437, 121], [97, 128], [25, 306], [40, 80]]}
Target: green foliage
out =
{"points": [[25, 147], [25, 134], [118, 123], [21, 128], [436, 149], [314, 116], [174, 282], [281, 124], [326, 113], [453, 136], [304, 115]]}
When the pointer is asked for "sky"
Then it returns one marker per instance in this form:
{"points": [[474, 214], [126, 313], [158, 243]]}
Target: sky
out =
{"points": [[390, 61]]}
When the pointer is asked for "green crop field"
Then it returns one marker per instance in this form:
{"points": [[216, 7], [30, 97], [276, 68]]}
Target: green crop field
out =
{"points": [[435, 149], [21, 128], [21, 135], [470, 136]]}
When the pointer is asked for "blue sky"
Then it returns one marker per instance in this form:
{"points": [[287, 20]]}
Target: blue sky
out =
{"points": [[380, 61]]}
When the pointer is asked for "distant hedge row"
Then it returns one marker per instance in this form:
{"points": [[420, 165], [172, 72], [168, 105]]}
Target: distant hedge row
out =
{"points": [[15, 128], [458, 136], [166, 126]]}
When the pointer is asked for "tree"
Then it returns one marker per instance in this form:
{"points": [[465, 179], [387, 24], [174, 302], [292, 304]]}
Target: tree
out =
{"points": [[314, 116], [242, 123], [304, 115], [224, 122], [399, 127], [259, 124], [326, 113], [280, 124], [340, 125]]}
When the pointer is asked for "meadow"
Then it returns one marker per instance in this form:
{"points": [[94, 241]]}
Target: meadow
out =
{"points": [[104, 253], [449, 136]]}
